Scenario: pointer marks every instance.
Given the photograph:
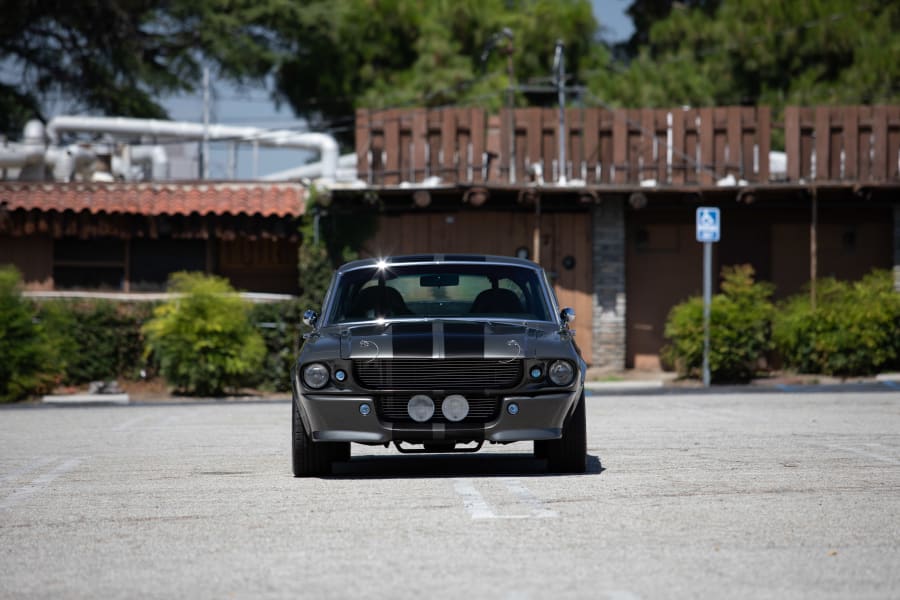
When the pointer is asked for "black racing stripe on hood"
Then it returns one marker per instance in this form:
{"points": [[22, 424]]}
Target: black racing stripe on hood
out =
{"points": [[463, 339], [412, 340]]}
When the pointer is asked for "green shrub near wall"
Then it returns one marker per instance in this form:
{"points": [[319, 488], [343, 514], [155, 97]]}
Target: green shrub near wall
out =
{"points": [[740, 325], [28, 361], [203, 339], [97, 339], [854, 329], [280, 324]]}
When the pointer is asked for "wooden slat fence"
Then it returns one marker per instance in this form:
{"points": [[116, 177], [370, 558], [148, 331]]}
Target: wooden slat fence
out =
{"points": [[846, 143], [681, 146]]}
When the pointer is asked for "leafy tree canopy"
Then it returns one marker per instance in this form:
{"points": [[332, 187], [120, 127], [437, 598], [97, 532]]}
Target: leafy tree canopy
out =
{"points": [[118, 57], [385, 53], [762, 52], [328, 57]]}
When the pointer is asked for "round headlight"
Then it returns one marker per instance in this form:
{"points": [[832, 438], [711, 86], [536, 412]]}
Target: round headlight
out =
{"points": [[315, 375], [561, 372]]}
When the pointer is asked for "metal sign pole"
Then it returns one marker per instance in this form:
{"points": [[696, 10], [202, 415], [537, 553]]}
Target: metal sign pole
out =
{"points": [[709, 224], [707, 301]]}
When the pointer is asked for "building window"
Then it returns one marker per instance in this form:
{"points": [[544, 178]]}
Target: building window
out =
{"points": [[95, 264], [152, 261]]}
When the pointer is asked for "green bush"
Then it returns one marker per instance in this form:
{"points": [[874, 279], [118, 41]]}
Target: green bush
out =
{"points": [[854, 329], [280, 324], [28, 361], [740, 325], [97, 339], [203, 339]]}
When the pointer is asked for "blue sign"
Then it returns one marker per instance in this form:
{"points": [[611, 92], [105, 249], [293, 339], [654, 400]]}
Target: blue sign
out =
{"points": [[708, 224]]}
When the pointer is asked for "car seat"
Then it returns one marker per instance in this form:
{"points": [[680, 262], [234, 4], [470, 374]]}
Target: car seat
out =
{"points": [[378, 301], [497, 301]]}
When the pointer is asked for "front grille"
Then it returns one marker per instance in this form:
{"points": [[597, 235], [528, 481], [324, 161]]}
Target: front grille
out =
{"points": [[394, 409], [423, 374]]}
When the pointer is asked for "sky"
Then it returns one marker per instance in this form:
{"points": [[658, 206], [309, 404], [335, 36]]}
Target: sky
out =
{"points": [[255, 108]]}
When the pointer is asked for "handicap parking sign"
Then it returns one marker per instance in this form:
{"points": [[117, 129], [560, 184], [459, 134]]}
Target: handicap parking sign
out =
{"points": [[708, 224]]}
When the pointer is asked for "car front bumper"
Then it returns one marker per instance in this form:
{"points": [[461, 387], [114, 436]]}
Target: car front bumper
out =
{"points": [[337, 418]]}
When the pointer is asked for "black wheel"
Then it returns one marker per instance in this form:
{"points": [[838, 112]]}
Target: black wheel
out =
{"points": [[340, 451], [540, 449], [309, 458], [569, 453]]}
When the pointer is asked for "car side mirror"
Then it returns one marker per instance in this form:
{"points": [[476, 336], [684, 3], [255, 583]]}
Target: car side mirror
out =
{"points": [[310, 317], [567, 315]]}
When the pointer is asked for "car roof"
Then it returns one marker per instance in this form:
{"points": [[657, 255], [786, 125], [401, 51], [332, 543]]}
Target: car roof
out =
{"points": [[408, 259]]}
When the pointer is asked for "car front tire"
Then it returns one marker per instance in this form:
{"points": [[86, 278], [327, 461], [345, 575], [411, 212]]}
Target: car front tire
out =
{"points": [[569, 453], [311, 459]]}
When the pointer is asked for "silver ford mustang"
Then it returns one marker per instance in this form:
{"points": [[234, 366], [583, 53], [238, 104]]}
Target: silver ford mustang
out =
{"points": [[439, 353]]}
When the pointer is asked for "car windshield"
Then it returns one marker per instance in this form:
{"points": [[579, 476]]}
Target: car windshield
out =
{"points": [[440, 291]]}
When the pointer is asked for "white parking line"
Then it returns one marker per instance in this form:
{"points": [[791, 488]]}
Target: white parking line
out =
{"points": [[150, 422], [472, 500], [38, 484], [12, 475], [865, 453], [130, 423], [538, 510], [478, 508], [608, 595]]}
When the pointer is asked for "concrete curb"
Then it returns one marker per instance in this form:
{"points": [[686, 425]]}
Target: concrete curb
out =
{"points": [[87, 399], [622, 386], [895, 377]]}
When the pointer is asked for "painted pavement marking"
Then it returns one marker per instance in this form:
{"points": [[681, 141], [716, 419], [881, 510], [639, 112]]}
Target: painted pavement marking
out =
{"points": [[13, 475], [38, 484], [867, 454], [478, 508]]}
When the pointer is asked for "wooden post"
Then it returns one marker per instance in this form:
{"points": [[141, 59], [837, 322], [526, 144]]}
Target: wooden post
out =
{"points": [[813, 247], [126, 284], [536, 235]]}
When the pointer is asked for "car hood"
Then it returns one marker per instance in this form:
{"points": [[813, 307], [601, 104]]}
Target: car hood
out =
{"points": [[448, 339]]}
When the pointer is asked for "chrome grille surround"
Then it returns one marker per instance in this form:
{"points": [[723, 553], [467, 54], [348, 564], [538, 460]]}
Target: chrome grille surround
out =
{"points": [[425, 374]]}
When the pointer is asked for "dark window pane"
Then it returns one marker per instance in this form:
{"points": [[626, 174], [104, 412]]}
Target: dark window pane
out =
{"points": [[88, 278], [94, 250], [152, 261]]}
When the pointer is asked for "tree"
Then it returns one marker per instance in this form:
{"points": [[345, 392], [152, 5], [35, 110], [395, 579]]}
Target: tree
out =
{"points": [[119, 56], [644, 13], [385, 53], [764, 52], [27, 358]]}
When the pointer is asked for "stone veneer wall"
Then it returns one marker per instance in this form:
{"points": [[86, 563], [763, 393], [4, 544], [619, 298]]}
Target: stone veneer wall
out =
{"points": [[609, 284]]}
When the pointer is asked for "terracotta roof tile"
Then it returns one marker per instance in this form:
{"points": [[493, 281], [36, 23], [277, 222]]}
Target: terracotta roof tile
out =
{"points": [[252, 198]]}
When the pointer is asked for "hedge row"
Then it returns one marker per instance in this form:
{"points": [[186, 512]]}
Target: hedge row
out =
{"points": [[854, 329], [219, 343]]}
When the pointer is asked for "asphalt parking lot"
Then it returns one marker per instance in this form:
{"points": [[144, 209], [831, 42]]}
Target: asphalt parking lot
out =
{"points": [[787, 495]]}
